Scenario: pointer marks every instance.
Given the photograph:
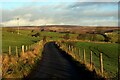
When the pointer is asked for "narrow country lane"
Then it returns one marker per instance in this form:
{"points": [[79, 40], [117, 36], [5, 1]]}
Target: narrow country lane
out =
{"points": [[55, 64]]}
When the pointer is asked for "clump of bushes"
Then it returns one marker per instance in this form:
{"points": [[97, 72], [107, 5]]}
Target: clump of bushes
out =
{"points": [[66, 36], [114, 37], [91, 37]]}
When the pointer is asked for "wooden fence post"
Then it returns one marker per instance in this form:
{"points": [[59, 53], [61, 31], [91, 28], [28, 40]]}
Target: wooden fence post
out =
{"points": [[26, 48], [58, 44], [101, 64], [9, 50], [23, 49], [91, 60], [84, 57], [29, 47], [75, 52], [16, 51], [68, 47], [72, 48]]}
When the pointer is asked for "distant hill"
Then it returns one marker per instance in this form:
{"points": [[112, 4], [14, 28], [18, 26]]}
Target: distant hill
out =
{"points": [[71, 28]]}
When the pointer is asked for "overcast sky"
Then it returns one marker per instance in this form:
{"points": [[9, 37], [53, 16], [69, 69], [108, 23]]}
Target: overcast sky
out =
{"points": [[60, 12]]}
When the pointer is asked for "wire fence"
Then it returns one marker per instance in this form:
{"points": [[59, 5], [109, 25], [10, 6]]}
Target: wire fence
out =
{"points": [[81, 55]]}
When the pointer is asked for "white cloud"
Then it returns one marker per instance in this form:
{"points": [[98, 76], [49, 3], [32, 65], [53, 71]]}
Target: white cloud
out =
{"points": [[25, 22], [70, 13], [15, 22]]}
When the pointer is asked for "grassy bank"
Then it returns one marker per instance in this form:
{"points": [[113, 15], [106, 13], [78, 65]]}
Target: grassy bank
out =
{"points": [[109, 51]]}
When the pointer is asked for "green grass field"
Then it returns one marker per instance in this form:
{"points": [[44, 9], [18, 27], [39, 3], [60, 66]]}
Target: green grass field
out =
{"points": [[109, 50], [24, 38], [13, 40], [56, 35], [110, 55]]}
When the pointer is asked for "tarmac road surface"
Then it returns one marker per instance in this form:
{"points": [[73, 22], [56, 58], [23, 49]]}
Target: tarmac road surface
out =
{"points": [[56, 65]]}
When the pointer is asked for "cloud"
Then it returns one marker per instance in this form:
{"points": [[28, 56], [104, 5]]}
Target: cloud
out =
{"points": [[25, 22], [80, 13], [95, 8]]}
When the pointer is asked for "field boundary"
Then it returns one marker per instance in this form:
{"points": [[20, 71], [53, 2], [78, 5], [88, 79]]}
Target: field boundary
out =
{"points": [[71, 50], [20, 65]]}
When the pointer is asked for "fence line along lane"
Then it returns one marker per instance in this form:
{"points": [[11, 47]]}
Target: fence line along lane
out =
{"points": [[81, 57]]}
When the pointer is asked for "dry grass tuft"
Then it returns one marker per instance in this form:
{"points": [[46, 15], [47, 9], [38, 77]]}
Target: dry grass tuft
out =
{"points": [[18, 67]]}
